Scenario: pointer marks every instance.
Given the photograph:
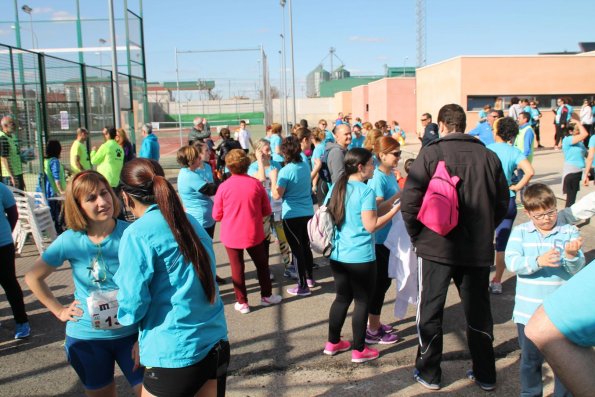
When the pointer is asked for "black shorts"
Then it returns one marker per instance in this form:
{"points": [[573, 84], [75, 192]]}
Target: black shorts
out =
{"points": [[187, 381]]}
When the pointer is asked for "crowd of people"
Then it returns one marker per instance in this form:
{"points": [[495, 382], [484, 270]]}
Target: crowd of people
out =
{"points": [[146, 293]]}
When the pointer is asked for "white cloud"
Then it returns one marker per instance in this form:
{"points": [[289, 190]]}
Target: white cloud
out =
{"points": [[367, 39], [42, 10], [382, 58], [62, 16], [5, 32], [263, 30]]}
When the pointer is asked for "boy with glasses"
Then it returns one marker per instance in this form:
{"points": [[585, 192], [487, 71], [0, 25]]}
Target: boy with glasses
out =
{"points": [[544, 255]]}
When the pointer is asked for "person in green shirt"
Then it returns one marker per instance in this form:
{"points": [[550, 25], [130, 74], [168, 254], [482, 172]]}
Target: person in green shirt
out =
{"points": [[109, 158], [79, 156], [11, 168]]}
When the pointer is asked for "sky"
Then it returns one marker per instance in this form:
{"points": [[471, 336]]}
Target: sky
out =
{"points": [[367, 34]]}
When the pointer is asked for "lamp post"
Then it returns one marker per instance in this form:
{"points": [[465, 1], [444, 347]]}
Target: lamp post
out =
{"points": [[291, 51], [404, 64], [28, 10], [102, 43]]}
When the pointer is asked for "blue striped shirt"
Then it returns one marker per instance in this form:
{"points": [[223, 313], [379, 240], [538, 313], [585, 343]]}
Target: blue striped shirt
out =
{"points": [[535, 283]]}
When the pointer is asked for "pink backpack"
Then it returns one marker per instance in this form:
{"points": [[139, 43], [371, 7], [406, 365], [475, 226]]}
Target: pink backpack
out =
{"points": [[440, 207]]}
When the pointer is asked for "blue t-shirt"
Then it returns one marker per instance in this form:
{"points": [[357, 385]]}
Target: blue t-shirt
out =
{"points": [[510, 157], [6, 201], [93, 267], [384, 186], [484, 132], [592, 144], [573, 154], [353, 243], [306, 160], [161, 292], [297, 199], [253, 169], [317, 153], [328, 135], [199, 205], [275, 141], [356, 142]]}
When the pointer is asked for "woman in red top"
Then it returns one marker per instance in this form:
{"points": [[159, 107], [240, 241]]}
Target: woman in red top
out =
{"points": [[240, 204]]}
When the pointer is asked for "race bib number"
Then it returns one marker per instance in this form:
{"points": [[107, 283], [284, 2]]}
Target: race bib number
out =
{"points": [[103, 309]]}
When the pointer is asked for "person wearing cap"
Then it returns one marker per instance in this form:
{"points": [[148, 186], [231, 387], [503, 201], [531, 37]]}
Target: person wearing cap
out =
{"points": [[11, 168], [150, 147], [79, 156], [357, 139], [200, 131]]}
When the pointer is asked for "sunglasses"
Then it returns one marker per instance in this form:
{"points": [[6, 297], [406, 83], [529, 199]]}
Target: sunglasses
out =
{"points": [[396, 154], [424, 120]]}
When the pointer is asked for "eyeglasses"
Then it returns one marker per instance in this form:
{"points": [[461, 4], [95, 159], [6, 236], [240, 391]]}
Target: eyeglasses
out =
{"points": [[396, 154], [424, 120], [550, 214]]}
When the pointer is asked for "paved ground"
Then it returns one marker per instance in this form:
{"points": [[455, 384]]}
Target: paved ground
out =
{"points": [[277, 350]]}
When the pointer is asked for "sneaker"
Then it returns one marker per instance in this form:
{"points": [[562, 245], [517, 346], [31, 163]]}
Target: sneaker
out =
{"points": [[483, 386], [310, 282], [368, 354], [242, 307], [22, 330], [299, 291], [290, 273], [333, 348], [427, 385], [389, 329], [495, 288], [381, 337], [270, 300]]}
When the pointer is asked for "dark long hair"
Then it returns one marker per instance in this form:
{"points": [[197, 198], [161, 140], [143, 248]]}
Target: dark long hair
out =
{"points": [[144, 180], [336, 206]]}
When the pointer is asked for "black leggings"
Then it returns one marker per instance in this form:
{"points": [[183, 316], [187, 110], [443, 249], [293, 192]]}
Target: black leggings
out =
{"points": [[571, 186], [8, 281], [296, 231], [353, 281], [382, 282]]}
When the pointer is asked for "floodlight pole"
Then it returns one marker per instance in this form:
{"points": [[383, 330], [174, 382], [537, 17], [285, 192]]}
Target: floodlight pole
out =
{"points": [[178, 98], [115, 82], [283, 103], [292, 61]]}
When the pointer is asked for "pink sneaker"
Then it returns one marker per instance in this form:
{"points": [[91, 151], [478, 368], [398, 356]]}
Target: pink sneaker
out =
{"points": [[368, 354], [333, 348]]}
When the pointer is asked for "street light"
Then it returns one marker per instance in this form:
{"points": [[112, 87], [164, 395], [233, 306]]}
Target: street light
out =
{"points": [[282, 2], [28, 10], [404, 64], [102, 43]]}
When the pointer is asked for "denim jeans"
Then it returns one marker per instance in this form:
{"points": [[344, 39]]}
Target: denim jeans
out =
{"points": [[531, 363]]}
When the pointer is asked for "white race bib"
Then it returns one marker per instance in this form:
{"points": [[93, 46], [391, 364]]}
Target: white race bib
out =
{"points": [[103, 309]]}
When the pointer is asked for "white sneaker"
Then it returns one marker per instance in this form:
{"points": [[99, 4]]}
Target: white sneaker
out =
{"points": [[270, 300], [242, 307]]}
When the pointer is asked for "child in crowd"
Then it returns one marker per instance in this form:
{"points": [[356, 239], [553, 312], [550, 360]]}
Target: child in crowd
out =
{"points": [[544, 255], [55, 181]]}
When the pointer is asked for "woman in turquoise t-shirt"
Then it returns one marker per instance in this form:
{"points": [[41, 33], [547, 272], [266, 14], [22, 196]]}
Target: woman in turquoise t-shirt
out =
{"points": [[167, 286], [574, 161], [386, 189], [505, 131], [292, 184], [95, 340], [352, 205]]}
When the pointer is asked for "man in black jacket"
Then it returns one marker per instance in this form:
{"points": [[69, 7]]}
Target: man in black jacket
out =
{"points": [[430, 129], [465, 254]]}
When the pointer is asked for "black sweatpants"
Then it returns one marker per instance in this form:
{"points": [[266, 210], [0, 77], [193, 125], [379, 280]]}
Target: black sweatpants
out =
{"points": [[296, 231], [8, 281], [570, 186], [353, 281], [472, 284], [382, 282]]}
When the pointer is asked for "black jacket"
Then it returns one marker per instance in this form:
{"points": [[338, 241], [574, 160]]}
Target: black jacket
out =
{"points": [[430, 134], [483, 201]]}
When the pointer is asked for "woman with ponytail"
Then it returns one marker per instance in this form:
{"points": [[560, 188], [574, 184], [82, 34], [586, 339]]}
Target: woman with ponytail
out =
{"points": [[167, 285], [352, 205], [386, 189]]}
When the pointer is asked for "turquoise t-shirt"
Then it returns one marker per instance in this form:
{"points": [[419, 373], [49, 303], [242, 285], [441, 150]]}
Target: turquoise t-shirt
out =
{"points": [[353, 243], [328, 136], [573, 154], [317, 153], [253, 169], [199, 205], [306, 160], [275, 141], [161, 292], [76, 248], [297, 199], [592, 144], [6, 201], [510, 157], [356, 142], [384, 186]]}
